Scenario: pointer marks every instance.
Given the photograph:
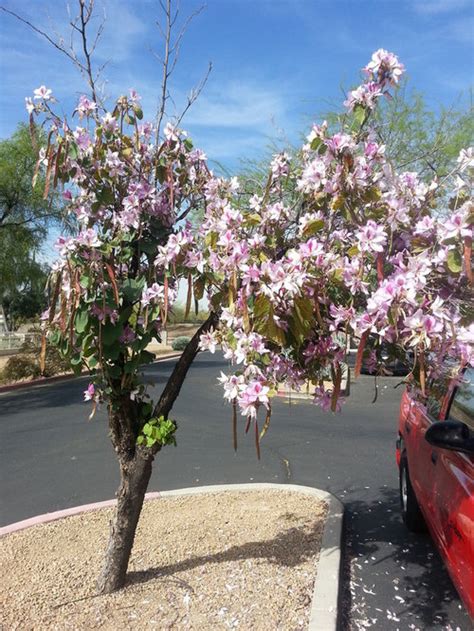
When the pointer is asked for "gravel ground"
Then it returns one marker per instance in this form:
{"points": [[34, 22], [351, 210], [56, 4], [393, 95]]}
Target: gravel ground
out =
{"points": [[230, 560]]}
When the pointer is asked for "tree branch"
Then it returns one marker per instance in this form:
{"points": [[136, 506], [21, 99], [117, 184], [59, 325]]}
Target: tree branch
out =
{"points": [[84, 17]]}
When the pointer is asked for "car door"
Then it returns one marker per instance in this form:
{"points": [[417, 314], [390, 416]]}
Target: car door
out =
{"points": [[419, 452], [453, 497]]}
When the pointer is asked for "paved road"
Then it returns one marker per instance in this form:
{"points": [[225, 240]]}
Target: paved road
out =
{"points": [[51, 458]]}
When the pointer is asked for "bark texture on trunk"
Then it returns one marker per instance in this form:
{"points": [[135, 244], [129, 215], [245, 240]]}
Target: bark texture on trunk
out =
{"points": [[136, 466], [134, 477]]}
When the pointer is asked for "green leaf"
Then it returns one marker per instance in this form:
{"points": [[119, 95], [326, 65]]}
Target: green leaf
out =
{"points": [[454, 261], [132, 289], [359, 114], [76, 360], [73, 151], [262, 307], [265, 322], [76, 368], [146, 357], [313, 226], [81, 321], [138, 112], [105, 196], [114, 372], [198, 288], [302, 319], [111, 333], [85, 281], [112, 352], [253, 219], [161, 173], [131, 366], [149, 247], [315, 143], [188, 143], [55, 337]]}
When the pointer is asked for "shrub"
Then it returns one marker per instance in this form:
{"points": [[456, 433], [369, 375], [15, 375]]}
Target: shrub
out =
{"points": [[20, 367], [54, 362], [180, 343]]}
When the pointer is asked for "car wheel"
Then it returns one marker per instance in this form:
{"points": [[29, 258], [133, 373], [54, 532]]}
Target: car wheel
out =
{"points": [[411, 513]]}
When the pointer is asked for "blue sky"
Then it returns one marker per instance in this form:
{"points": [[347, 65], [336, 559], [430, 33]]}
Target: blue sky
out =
{"points": [[276, 63]]}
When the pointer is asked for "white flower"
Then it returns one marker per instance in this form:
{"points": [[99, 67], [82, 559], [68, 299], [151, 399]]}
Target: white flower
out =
{"points": [[466, 159], [30, 106], [43, 93]]}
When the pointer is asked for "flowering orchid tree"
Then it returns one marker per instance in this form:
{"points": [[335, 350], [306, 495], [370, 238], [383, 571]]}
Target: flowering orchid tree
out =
{"points": [[336, 245]]}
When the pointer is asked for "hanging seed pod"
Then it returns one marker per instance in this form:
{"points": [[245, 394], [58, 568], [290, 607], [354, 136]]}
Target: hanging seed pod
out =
{"points": [[360, 353], [257, 440], [234, 423], [189, 296]]}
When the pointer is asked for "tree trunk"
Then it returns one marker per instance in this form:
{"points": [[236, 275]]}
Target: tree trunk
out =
{"points": [[135, 469], [134, 477]]}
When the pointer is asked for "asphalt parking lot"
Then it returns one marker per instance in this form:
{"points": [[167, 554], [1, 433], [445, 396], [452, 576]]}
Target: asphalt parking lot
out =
{"points": [[51, 457]]}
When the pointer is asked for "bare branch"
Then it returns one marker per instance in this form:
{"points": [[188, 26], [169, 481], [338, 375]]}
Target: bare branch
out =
{"points": [[85, 15], [194, 94], [57, 45], [78, 25], [170, 58], [164, 81]]}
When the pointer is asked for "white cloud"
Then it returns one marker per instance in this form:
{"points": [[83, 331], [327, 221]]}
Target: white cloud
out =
{"points": [[122, 33], [435, 7], [238, 104]]}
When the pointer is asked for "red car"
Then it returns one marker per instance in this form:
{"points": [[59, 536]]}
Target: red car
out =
{"points": [[435, 456]]}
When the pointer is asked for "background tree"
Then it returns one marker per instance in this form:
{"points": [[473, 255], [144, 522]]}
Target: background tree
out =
{"points": [[26, 214], [416, 137]]}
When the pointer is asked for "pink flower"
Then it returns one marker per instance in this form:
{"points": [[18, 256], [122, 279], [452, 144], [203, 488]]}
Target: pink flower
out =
{"points": [[109, 122], [128, 335], [372, 237], [43, 93], [384, 67], [155, 293], [30, 106], [134, 96], [323, 398], [89, 393], [85, 106], [254, 395], [232, 385], [208, 341]]}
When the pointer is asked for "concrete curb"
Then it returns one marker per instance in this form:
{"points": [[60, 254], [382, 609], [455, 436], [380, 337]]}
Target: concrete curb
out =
{"points": [[324, 612], [35, 383]]}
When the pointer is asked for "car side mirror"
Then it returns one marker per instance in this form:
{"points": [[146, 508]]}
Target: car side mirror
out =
{"points": [[452, 435]]}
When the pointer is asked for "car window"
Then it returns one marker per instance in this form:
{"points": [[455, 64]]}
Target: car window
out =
{"points": [[437, 392], [462, 406]]}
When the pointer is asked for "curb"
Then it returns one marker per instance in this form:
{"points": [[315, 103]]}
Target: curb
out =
{"points": [[35, 383], [324, 612]]}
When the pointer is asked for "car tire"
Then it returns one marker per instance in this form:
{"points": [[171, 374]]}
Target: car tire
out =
{"points": [[411, 512]]}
